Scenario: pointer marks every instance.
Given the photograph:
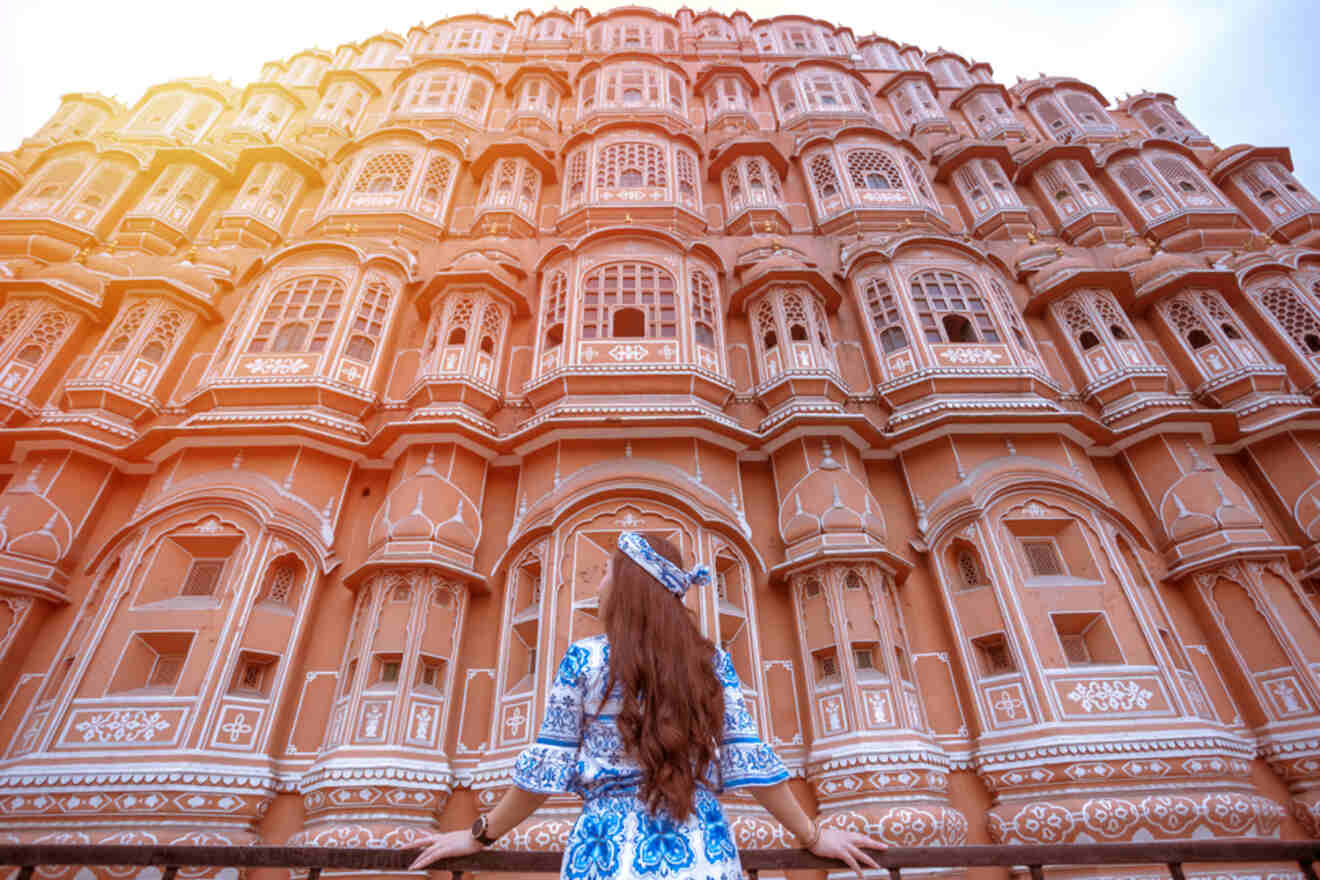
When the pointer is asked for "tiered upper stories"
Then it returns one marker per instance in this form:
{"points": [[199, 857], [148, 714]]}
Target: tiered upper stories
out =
{"points": [[584, 131]]}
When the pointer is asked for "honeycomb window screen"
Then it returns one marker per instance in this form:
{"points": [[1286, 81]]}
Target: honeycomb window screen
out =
{"points": [[202, 578], [825, 184], [1297, 320], [631, 166], [382, 180], [1042, 558], [629, 300], [886, 315], [165, 671], [300, 317], [1201, 320], [970, 573], [436, 182], [281, 582], [950, 309], [33, 345], [1181, 178], [1140, 187], [1085, 638], [994, 655], [873, 170]]}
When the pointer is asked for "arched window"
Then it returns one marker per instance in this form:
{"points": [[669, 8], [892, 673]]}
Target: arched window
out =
{"points": [[466, 340], [885, 314], [268, 192], [54, 182], [1088, 112], [369, 323], [1274, 189], [32, 332], [1190, 188], [300, 317], [1056, 124], [630, 166], [510, 184], [1209, 330], [704, 318], [575, 183], [632, 300], [280, 586], [985, 188], [791, 332], [825, 184], [138, 343], [950, 309], [555, 310], [382, 180], [873, 170]]}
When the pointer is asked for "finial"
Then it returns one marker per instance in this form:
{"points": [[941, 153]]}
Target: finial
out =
{"points": [[81, 256], [1031, 236], [1058, 250]]}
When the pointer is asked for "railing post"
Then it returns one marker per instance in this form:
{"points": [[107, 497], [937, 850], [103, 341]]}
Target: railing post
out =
{"points": [[1176, 871], [313, 874], [170, 871], [1036, 872], [1307, 866], [895, 873]]}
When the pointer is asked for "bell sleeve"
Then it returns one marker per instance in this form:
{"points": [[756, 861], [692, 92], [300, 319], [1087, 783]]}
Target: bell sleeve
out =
{"points": [[550, 764], [744, 760]]}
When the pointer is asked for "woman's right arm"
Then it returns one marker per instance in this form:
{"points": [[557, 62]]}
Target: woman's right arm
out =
{"points": [[830, 843]]}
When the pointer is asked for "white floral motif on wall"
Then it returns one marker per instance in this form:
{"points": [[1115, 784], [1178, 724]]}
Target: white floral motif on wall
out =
{"points": [[122, 725], [971, 355], [276, 366], [1110, 696]]}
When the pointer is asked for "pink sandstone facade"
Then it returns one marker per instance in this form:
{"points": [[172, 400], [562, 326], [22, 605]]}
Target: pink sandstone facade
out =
{"points": [[324, 399]]}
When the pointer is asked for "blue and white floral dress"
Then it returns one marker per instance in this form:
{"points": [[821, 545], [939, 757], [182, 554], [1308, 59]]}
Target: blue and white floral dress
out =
{"points": [[616, 837]]}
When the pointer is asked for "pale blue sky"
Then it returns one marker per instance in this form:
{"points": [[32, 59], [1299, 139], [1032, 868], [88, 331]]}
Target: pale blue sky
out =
{"points": [[1243, 71]]}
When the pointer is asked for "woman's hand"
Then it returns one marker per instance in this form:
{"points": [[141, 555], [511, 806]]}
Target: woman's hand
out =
{"points": [[444, 846], [847, 846]]}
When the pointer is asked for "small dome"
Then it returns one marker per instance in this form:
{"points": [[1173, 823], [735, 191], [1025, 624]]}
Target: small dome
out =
{"points": [[1160, 265]]}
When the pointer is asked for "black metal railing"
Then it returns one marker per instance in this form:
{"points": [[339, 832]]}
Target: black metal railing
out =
{"points": [[315, 859], [1175, 854]]}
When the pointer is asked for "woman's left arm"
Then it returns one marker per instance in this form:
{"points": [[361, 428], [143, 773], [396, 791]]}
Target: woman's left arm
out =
{"points": [[515, 806]]}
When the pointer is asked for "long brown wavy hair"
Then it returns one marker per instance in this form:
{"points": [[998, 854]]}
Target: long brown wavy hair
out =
{"points": [[673, 707]]}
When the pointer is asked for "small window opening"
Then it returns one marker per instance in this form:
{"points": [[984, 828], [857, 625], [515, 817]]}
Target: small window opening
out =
{"points": [[1198, 339], [629, 324], [958, 329], [1088, 340]]}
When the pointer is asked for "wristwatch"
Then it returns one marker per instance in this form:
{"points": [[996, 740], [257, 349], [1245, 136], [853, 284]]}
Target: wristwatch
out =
{"points": [[479, 832]]}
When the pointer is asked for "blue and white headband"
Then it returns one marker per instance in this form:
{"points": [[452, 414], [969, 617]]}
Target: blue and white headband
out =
{"points": [[670, 576]]}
